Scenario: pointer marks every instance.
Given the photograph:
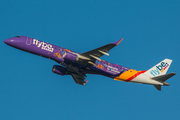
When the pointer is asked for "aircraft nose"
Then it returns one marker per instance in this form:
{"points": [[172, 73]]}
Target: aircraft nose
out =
{"points": [[13, 41], [8, 41], [17, 41]]}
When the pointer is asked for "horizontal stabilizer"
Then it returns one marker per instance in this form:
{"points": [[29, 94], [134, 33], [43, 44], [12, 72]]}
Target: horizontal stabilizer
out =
{"points": [[163, 78], [158, 87]]}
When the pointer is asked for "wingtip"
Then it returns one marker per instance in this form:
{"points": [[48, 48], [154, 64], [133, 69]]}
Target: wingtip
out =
{"points": [[174, 73], [85, 82], [116, 43]]}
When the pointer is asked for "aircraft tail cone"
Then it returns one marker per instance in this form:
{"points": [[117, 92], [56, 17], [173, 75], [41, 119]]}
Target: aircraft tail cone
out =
{"points": [[166, 84]]}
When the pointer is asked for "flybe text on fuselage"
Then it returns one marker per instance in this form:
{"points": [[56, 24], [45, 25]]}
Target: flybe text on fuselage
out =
{"points": [[43, 45], [159, 68]]}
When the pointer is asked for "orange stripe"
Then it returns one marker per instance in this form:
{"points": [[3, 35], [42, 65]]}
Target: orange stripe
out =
{"points": [[163, 69], [119, 41]]}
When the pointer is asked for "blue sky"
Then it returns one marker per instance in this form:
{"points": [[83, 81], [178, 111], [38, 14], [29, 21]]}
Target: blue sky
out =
{"points": [[28, 88]]}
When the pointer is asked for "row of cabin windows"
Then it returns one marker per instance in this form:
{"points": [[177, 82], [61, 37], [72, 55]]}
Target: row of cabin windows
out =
{"points": [[106, 64], [55, 47]]}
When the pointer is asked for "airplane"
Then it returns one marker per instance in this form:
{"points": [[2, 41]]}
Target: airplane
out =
{"points": [[79, 64]]}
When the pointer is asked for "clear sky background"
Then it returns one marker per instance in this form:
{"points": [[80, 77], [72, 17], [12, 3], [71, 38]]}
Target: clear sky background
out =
{"points": [[30, 91]]}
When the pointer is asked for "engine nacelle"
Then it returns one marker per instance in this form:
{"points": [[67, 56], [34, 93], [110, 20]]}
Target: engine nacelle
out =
{"points": [[59, 70], [70, 56]]}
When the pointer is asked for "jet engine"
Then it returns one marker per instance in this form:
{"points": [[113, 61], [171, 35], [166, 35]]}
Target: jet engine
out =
{"points": [[59, 70]]}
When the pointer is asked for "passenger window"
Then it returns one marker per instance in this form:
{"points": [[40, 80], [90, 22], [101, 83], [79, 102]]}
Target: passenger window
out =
{"points": [[98, 62], [122, 70], [105, 64]]}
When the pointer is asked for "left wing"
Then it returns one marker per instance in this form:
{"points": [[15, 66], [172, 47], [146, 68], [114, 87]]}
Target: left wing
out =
{"points": [[95, 54], [79, 78]]}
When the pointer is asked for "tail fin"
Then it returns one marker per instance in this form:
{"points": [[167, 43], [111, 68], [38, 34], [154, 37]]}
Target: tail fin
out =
{"points": [[159, 69]]}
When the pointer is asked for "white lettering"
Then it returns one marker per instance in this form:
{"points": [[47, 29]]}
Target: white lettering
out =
{"points": [[35, 41], [43, 45]]}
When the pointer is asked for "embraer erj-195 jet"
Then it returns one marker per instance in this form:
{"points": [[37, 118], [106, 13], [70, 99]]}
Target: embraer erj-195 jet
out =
{"points": [[79, 64]]}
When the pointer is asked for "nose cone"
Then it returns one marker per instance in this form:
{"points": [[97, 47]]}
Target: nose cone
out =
{"points": [[17, 42], [8, 41]]}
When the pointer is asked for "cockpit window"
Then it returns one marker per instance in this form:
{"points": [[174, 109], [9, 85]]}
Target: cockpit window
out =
{"points": [[18, 36]]}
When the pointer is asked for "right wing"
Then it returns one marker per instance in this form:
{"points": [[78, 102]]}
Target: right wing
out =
{"points": [[95, 54]]}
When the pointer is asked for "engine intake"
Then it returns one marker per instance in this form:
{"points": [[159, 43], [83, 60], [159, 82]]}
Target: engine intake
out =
{"points": [[59, 70]]}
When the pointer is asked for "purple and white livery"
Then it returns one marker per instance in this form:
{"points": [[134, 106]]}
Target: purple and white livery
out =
{"points": [[79, 64]]}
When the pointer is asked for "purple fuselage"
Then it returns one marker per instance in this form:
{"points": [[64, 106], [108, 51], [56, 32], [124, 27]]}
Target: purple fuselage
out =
{"points": [[64, 56]]}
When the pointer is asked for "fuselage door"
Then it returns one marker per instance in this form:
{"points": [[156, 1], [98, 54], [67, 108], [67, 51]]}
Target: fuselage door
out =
{"points": [[28, 41]]}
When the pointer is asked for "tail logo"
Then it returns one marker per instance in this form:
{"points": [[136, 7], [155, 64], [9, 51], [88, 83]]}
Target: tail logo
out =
{"points": [[159, 68]]}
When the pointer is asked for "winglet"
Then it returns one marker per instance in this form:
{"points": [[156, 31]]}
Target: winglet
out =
{"points": [[116, 43], [85, 82]]}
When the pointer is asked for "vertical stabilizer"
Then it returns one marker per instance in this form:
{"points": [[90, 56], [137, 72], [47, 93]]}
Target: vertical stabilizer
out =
{"points": [[159, 69]]}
